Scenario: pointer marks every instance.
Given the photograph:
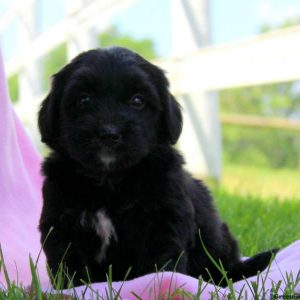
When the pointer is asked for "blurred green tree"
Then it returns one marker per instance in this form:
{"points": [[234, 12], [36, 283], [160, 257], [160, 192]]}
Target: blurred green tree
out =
{"points": [[285, 24], [263, 147], [57, 58], [272, 100], [13, 87], [51, 63], [113, 37]]}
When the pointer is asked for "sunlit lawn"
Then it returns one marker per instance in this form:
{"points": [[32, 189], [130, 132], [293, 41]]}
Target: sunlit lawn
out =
{"points": [[260, 223], [260, 205], [262, 182]]}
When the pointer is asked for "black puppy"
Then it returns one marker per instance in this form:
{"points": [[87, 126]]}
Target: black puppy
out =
{"points": [[115, 191]]}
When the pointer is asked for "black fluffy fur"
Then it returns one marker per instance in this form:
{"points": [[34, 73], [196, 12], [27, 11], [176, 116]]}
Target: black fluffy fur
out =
{"points": [[112, 155]]}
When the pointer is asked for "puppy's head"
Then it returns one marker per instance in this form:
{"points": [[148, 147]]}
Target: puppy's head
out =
{"points": [[109, 108]]}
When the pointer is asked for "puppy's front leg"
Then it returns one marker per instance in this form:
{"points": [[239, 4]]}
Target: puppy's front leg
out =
{"points": [[59, 234], [165, 245], [61, 253], [166, 255]]}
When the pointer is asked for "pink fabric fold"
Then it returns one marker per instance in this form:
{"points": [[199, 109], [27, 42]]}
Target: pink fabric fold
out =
{"points": [[20, 192], [20, 206]]}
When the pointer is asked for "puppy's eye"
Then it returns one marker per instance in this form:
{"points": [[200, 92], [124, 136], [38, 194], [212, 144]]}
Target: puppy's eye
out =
{"points": [[137, 102], [84, 99]]}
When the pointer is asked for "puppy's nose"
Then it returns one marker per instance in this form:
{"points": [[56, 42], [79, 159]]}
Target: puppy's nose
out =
{"points": [[110, 135]]}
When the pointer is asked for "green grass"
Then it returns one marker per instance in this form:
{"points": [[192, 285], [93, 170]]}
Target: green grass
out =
{"points": [[260, 205], [258, 222], [246, 180]]}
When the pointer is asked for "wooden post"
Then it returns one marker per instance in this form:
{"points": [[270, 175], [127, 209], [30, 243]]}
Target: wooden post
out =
{"points": [[201, 139]]}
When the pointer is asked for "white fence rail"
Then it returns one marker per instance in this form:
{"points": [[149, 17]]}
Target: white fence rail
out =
{"points": [[194, 76]]}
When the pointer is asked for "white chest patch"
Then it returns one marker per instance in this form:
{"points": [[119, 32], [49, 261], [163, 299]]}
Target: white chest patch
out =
{"points": [[105, 230], [107, 160]]}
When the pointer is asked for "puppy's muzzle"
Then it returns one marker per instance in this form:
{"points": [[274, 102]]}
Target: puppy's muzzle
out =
{"points": [[110, 136]]}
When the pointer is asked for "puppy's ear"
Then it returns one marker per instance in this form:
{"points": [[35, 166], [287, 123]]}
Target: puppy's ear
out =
{"points": [[171, 125], [48, 118], [172, 119]]}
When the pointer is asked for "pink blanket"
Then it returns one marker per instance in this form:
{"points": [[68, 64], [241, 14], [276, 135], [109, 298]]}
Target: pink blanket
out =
{"points": [[20, 205]]}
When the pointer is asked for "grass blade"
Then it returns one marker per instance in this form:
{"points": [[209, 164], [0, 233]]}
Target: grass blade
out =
{"points": [[35, 282], [8, 282]]}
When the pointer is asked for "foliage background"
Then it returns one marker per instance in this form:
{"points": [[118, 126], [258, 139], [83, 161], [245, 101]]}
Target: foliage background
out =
{"points": [[252, 150], [273, 148]]}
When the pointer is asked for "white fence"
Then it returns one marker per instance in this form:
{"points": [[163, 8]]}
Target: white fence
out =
{"points": [[194, 75]]}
